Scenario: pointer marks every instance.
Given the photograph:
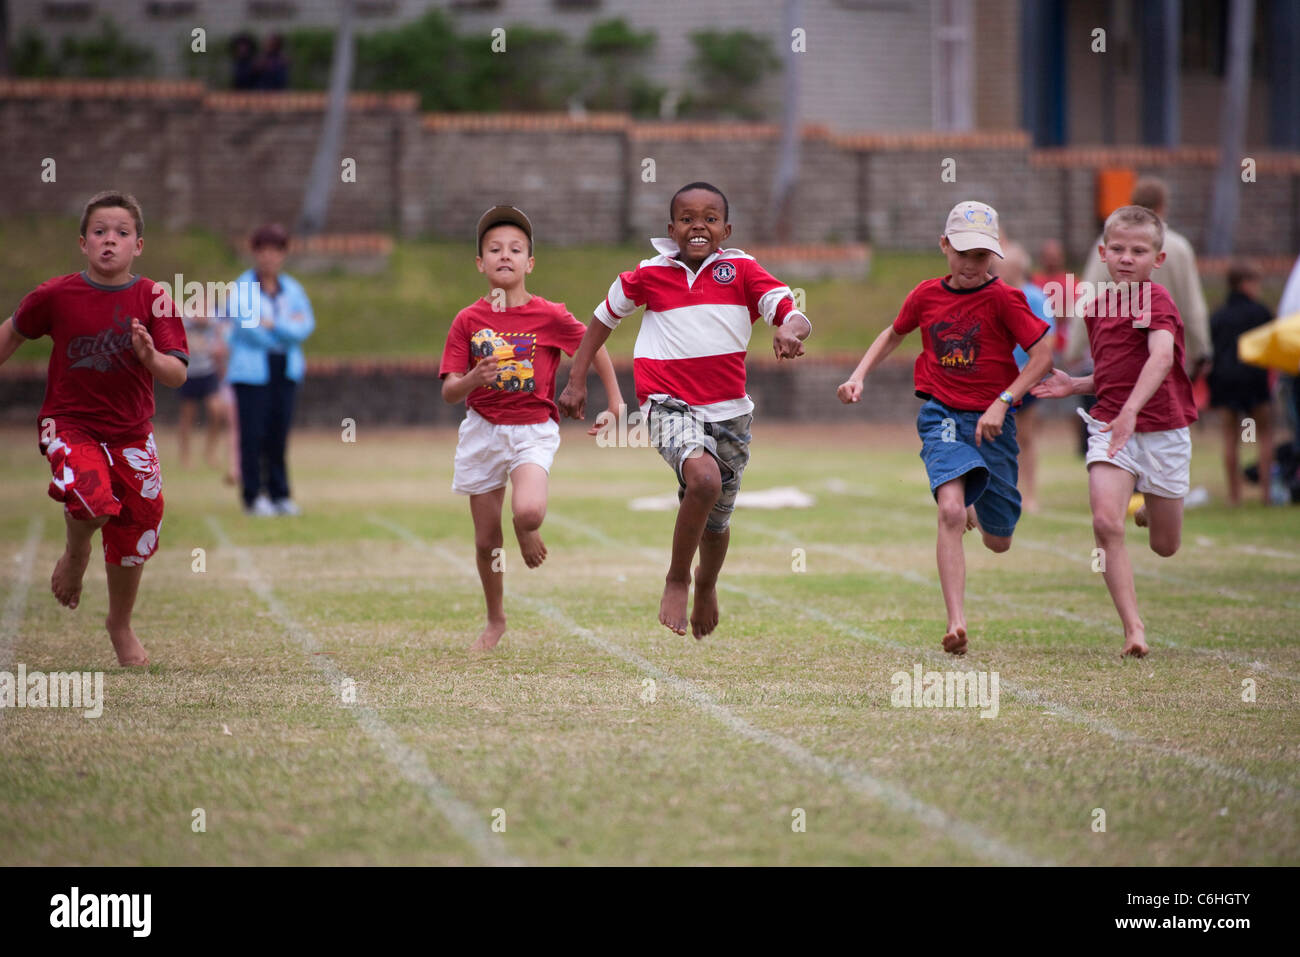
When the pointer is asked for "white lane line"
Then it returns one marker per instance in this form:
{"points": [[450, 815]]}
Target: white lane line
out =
{"points": [[1158, 574], [891, 795], [1257, 550], [1263, 552], [467, 823], [1028, 694], [1220, 654], [1025, 694], [1029, 603], [15, 609], [1165, 578]]}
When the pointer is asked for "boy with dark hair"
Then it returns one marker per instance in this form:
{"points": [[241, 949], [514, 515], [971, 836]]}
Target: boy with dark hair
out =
{"points": [[501, 357], [114, 333], [689, 365]]}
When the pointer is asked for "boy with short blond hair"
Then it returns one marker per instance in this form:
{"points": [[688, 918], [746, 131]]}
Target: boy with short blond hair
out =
{"points": [[501, 357], [114, 333], [1138, 434], [701, 301], [970, 324]]}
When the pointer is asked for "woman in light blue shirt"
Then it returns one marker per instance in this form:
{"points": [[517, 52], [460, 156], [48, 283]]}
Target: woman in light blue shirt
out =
{"points": [[271, 318]]}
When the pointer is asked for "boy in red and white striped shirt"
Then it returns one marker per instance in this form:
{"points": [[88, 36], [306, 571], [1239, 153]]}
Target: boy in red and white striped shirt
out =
{"points": [[689, 367]]}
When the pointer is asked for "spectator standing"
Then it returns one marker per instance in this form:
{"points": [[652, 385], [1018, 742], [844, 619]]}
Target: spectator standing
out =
{"points": [[273, 317]]}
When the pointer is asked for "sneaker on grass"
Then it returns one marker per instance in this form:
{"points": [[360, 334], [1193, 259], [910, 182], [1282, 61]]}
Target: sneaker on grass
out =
{"points": [[261, 508]]}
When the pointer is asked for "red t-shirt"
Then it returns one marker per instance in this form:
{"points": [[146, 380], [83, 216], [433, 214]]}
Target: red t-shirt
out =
{"points": [[527, 345], [1119, 351], [95, 383], [969, 338]]}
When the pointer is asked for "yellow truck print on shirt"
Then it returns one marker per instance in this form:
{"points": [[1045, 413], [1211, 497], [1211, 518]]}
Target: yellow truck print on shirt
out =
{"points": [[514, 358]]}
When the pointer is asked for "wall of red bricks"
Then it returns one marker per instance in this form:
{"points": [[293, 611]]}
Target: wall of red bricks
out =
{"points": [[224, 161]]}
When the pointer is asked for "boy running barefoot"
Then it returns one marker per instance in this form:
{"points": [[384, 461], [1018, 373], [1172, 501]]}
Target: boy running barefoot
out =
{"points": [[970, 324], [501, 357], [701, 303], [1138, 432], [113, 336]]}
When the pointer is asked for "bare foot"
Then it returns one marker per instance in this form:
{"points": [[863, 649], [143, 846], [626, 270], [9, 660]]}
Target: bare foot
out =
{"points": [[492, 633], [971, 521], [130, 653], [1135, 645], [531, 547], [704, 611], [1140, 517], [954, 641], [672, 607], [230, 478], [68, 573]]}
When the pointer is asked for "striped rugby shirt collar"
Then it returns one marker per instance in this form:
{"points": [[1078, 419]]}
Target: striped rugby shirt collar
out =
{"points": [[667, 249]]}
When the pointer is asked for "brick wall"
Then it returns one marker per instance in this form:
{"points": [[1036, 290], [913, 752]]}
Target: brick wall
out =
{"points": [[567, 175], [224, 161]]}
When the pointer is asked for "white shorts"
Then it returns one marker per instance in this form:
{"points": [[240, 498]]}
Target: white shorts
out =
{"points": [[1162, 461], [486, 454]]}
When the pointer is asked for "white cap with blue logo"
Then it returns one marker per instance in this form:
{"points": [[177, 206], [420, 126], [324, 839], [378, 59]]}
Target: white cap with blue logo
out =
{"points": [[973, 225]]}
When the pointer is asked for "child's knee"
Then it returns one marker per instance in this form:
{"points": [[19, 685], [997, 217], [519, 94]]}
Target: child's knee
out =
{"points": [[486, 541], [703, 478], [997, 543], [529, 515], [952, 513], [1166, 546], [1108, 527]]}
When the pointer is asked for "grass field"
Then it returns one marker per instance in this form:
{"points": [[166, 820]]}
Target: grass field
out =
{"points": [[557, 736], [407, 310]]}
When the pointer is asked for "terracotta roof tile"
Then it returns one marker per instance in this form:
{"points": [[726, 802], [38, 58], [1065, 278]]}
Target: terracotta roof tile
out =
{"points": [[68, 89], [265, 101], [524, 122], [922, 140]]}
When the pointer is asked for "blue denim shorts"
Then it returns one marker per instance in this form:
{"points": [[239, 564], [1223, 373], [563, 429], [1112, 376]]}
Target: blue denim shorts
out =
{"points": [[948, 450]]}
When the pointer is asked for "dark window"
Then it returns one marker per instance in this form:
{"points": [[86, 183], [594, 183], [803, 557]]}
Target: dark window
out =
{"points": [[875, 4], [68, 10], [170, 9], [272, 9], [1204, 40]]}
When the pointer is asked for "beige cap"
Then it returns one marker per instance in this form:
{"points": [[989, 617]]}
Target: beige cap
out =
{"points": [[501, 215], [973, 225]]}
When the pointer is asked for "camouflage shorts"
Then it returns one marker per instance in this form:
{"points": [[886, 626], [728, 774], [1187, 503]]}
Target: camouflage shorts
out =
{"points": [[679, 436]]}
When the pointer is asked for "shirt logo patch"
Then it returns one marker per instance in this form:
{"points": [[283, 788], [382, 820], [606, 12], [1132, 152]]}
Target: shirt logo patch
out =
{"points": [[723, 273], [956, 343], [103, 351]]}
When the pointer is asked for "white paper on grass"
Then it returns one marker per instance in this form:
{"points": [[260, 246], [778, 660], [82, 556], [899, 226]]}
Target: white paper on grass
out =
{"points": [[787, 496]]}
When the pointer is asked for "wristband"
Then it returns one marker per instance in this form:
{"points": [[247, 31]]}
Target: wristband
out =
{"points": [[1008, 398]]}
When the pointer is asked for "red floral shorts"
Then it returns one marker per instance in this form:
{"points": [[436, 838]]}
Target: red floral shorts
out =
{"points": [[123, 481]]}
